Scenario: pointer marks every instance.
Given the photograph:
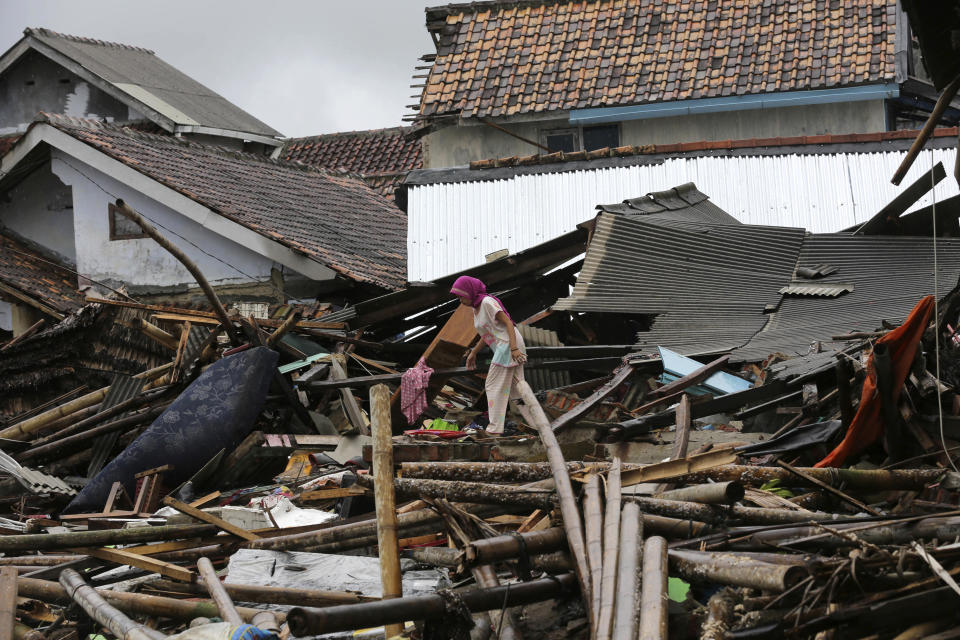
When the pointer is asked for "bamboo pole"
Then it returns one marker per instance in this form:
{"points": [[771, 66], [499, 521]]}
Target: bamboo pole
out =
{"points": [[389, 550], [628, 573], [124, 209], [492, 550], [855, 479], [21, 430], [734, 569], [100, 610], [490, 471], [155, 332], [134, 603], [554, 562], [653, 596], [568, 503], [719, 615], [611, 544], [711, 493], [593, 523], [942, 103], [310, 622], [217, 593], [8, 602], [101, 538], [23, 632], [502, 621], [271, 595], [50, 448], [289, 322]]}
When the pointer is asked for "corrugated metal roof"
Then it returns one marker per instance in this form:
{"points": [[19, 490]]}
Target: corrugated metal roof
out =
{"points": [[453, 225], [708, 284], [815, 289], [891, 273], [150, 81], [685, 202]]}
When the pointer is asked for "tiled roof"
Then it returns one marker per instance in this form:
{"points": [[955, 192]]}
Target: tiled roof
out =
{"points": [[516, 56], [373, 152], [709, 145], [335, 219], [382, 156], [6, 143], [37, 276]]}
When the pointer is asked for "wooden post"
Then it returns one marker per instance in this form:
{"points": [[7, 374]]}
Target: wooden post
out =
{"points": [[217, 593], [593, 523], [611, 543], [533, 412], [8, 602], [384, 498], [628, 573], [653, 598]]}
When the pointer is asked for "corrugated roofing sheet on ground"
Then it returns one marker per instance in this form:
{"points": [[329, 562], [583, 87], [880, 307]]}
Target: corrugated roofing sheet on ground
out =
{"points": [[891, 274], [707, 284]]}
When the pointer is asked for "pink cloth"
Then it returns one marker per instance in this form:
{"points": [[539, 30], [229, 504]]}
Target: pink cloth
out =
{"points": [[475, 290], [413, 390]]}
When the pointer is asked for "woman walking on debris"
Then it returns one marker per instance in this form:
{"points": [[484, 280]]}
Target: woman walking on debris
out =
{"points": [[496, 329]]}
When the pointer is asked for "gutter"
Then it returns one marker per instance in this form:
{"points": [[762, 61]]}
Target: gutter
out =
{"points": [[735, 103]]}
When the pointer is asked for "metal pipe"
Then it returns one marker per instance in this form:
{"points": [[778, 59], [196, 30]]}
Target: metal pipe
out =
{"points": [[311, 622]]}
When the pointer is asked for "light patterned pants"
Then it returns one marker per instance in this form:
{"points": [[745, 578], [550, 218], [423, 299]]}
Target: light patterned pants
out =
{"points": [[501, 387]]}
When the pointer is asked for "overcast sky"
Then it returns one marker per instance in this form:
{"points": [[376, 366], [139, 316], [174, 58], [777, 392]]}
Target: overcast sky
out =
{"points": [[304, 67]]}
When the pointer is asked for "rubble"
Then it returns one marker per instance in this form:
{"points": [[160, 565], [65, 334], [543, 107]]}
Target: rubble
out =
{"points": [[762, 450]]}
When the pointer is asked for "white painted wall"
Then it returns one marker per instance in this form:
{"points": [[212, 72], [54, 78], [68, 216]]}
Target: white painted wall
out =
{"points": [[142, 262], [40, 209], [451, 227]]}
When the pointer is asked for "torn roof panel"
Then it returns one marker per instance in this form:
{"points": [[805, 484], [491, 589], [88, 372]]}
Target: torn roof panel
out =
{"points": [[683, 203]]}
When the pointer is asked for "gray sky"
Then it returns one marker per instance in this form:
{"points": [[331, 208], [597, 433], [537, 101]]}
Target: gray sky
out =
{"points": [[304, 67]]}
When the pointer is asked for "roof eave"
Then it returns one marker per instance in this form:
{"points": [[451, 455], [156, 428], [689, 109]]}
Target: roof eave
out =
{"points": [[44, 133]]}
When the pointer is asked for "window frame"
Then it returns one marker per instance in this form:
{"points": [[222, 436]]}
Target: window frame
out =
{"points": [[577, 133], [113, 211]]}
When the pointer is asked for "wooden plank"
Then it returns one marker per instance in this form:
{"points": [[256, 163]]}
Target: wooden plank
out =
{"points": [[350, 405], [692, 378], [331, 494], [417, 540], [193, 314], [209, 518], [619, 377], [165, 547], [210, 497], [123, 557], [681, 466], [530, 521]]}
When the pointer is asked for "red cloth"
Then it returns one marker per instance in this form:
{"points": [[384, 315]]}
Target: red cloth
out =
{"points": [[867, 425], [413, 390]]}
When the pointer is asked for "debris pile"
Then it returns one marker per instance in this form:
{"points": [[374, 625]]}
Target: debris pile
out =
{"points": [[328, 471]]}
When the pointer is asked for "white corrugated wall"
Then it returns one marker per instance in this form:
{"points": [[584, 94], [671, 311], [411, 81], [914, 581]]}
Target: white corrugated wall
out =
{"points": [[454, 226]]}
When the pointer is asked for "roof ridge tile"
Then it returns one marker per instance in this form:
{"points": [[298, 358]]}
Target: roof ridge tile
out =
{"points": [[42, 31]]}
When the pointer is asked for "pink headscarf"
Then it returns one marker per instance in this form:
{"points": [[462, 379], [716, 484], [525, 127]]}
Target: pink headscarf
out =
{"points": [[475, 290]]}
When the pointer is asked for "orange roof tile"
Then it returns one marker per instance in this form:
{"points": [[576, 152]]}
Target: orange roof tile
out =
{"points": [[521, 56]]}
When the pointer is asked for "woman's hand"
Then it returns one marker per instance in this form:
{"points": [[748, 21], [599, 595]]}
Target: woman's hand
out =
{"points": [[471, 360], [518, 355]]}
